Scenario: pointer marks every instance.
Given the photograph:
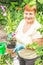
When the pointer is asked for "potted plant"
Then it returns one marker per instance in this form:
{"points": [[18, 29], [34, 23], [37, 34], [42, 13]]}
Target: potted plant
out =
{"points": [[11, 45], [28, 55], [36, 47], [9, 28], [12, 42]]}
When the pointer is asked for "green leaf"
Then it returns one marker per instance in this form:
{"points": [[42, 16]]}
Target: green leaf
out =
{"points": [[41, 1]]}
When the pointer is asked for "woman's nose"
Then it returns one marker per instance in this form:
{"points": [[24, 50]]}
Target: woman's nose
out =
{"points": [[28, 16]]}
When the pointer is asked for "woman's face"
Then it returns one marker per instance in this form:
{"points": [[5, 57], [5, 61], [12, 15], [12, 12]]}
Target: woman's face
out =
{"points": [[29, 16]]}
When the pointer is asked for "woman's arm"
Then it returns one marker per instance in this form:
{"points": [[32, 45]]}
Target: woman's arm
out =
{"points": [[38, 40]]}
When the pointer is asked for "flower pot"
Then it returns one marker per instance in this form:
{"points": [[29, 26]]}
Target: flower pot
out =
{"points": [[27, 57], [9, 51], [10, 48], [12, 44]]}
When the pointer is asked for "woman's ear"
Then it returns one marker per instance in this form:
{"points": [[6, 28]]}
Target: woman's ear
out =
{"points": [[34, 9]]}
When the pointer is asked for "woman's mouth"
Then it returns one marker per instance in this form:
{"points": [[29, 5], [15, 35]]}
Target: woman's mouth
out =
{"points": [[29, 18]]}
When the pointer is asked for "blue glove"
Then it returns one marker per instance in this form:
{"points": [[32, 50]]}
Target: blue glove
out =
{"points": [[18, 47]]}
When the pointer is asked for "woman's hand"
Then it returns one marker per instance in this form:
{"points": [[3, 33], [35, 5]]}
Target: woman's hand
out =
{"points": [[38, 40]]}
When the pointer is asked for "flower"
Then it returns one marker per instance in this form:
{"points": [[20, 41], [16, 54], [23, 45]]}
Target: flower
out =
{"points": [[3, 10], [13, 34], [2, 7], [4, 14]]}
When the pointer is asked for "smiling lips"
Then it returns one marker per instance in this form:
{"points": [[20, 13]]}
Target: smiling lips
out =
{"points": [[28, 18]]}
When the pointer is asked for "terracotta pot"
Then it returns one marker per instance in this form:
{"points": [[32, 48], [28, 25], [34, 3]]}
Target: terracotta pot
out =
{"points": [[9, 51], [10, 48], [13, 54]]}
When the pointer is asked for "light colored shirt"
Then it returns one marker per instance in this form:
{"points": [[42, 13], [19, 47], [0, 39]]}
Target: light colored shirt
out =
{"points": [[32, 33]]}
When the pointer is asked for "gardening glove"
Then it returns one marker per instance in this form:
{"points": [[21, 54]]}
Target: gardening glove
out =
{"points": [[18, 47]]}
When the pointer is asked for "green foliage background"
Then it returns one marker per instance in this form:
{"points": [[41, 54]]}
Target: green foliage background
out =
{"points": [[16, 12]]}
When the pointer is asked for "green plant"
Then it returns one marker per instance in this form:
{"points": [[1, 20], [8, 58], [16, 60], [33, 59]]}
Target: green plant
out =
{"points": [[6, 59], [2, 15], [41, 30], [39, 62], [41, 1], [39, 4], [34, 45], [10, 26], [38, 49], [39, 17]]}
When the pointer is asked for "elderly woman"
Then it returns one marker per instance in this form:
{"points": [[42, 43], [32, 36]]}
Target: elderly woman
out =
{"points": [[26, 32]]}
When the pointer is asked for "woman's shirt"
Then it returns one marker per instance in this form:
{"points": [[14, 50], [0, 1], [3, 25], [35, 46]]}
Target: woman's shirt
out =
{"points": [[27, 37]]}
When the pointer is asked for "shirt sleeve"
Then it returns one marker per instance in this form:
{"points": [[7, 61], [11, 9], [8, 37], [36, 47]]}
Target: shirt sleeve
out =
{"points": [[36, 35]]}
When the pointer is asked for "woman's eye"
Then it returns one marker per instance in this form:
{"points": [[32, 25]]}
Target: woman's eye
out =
{"points": [[30, 13], [26, 13]]}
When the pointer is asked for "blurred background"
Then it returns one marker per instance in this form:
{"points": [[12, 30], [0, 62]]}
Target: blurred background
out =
{"points": [[11, 12]]}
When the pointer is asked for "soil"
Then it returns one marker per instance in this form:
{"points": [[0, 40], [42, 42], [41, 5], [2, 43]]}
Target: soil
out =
{"points": [[11, 46], [27, 54], [3, 35]]}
